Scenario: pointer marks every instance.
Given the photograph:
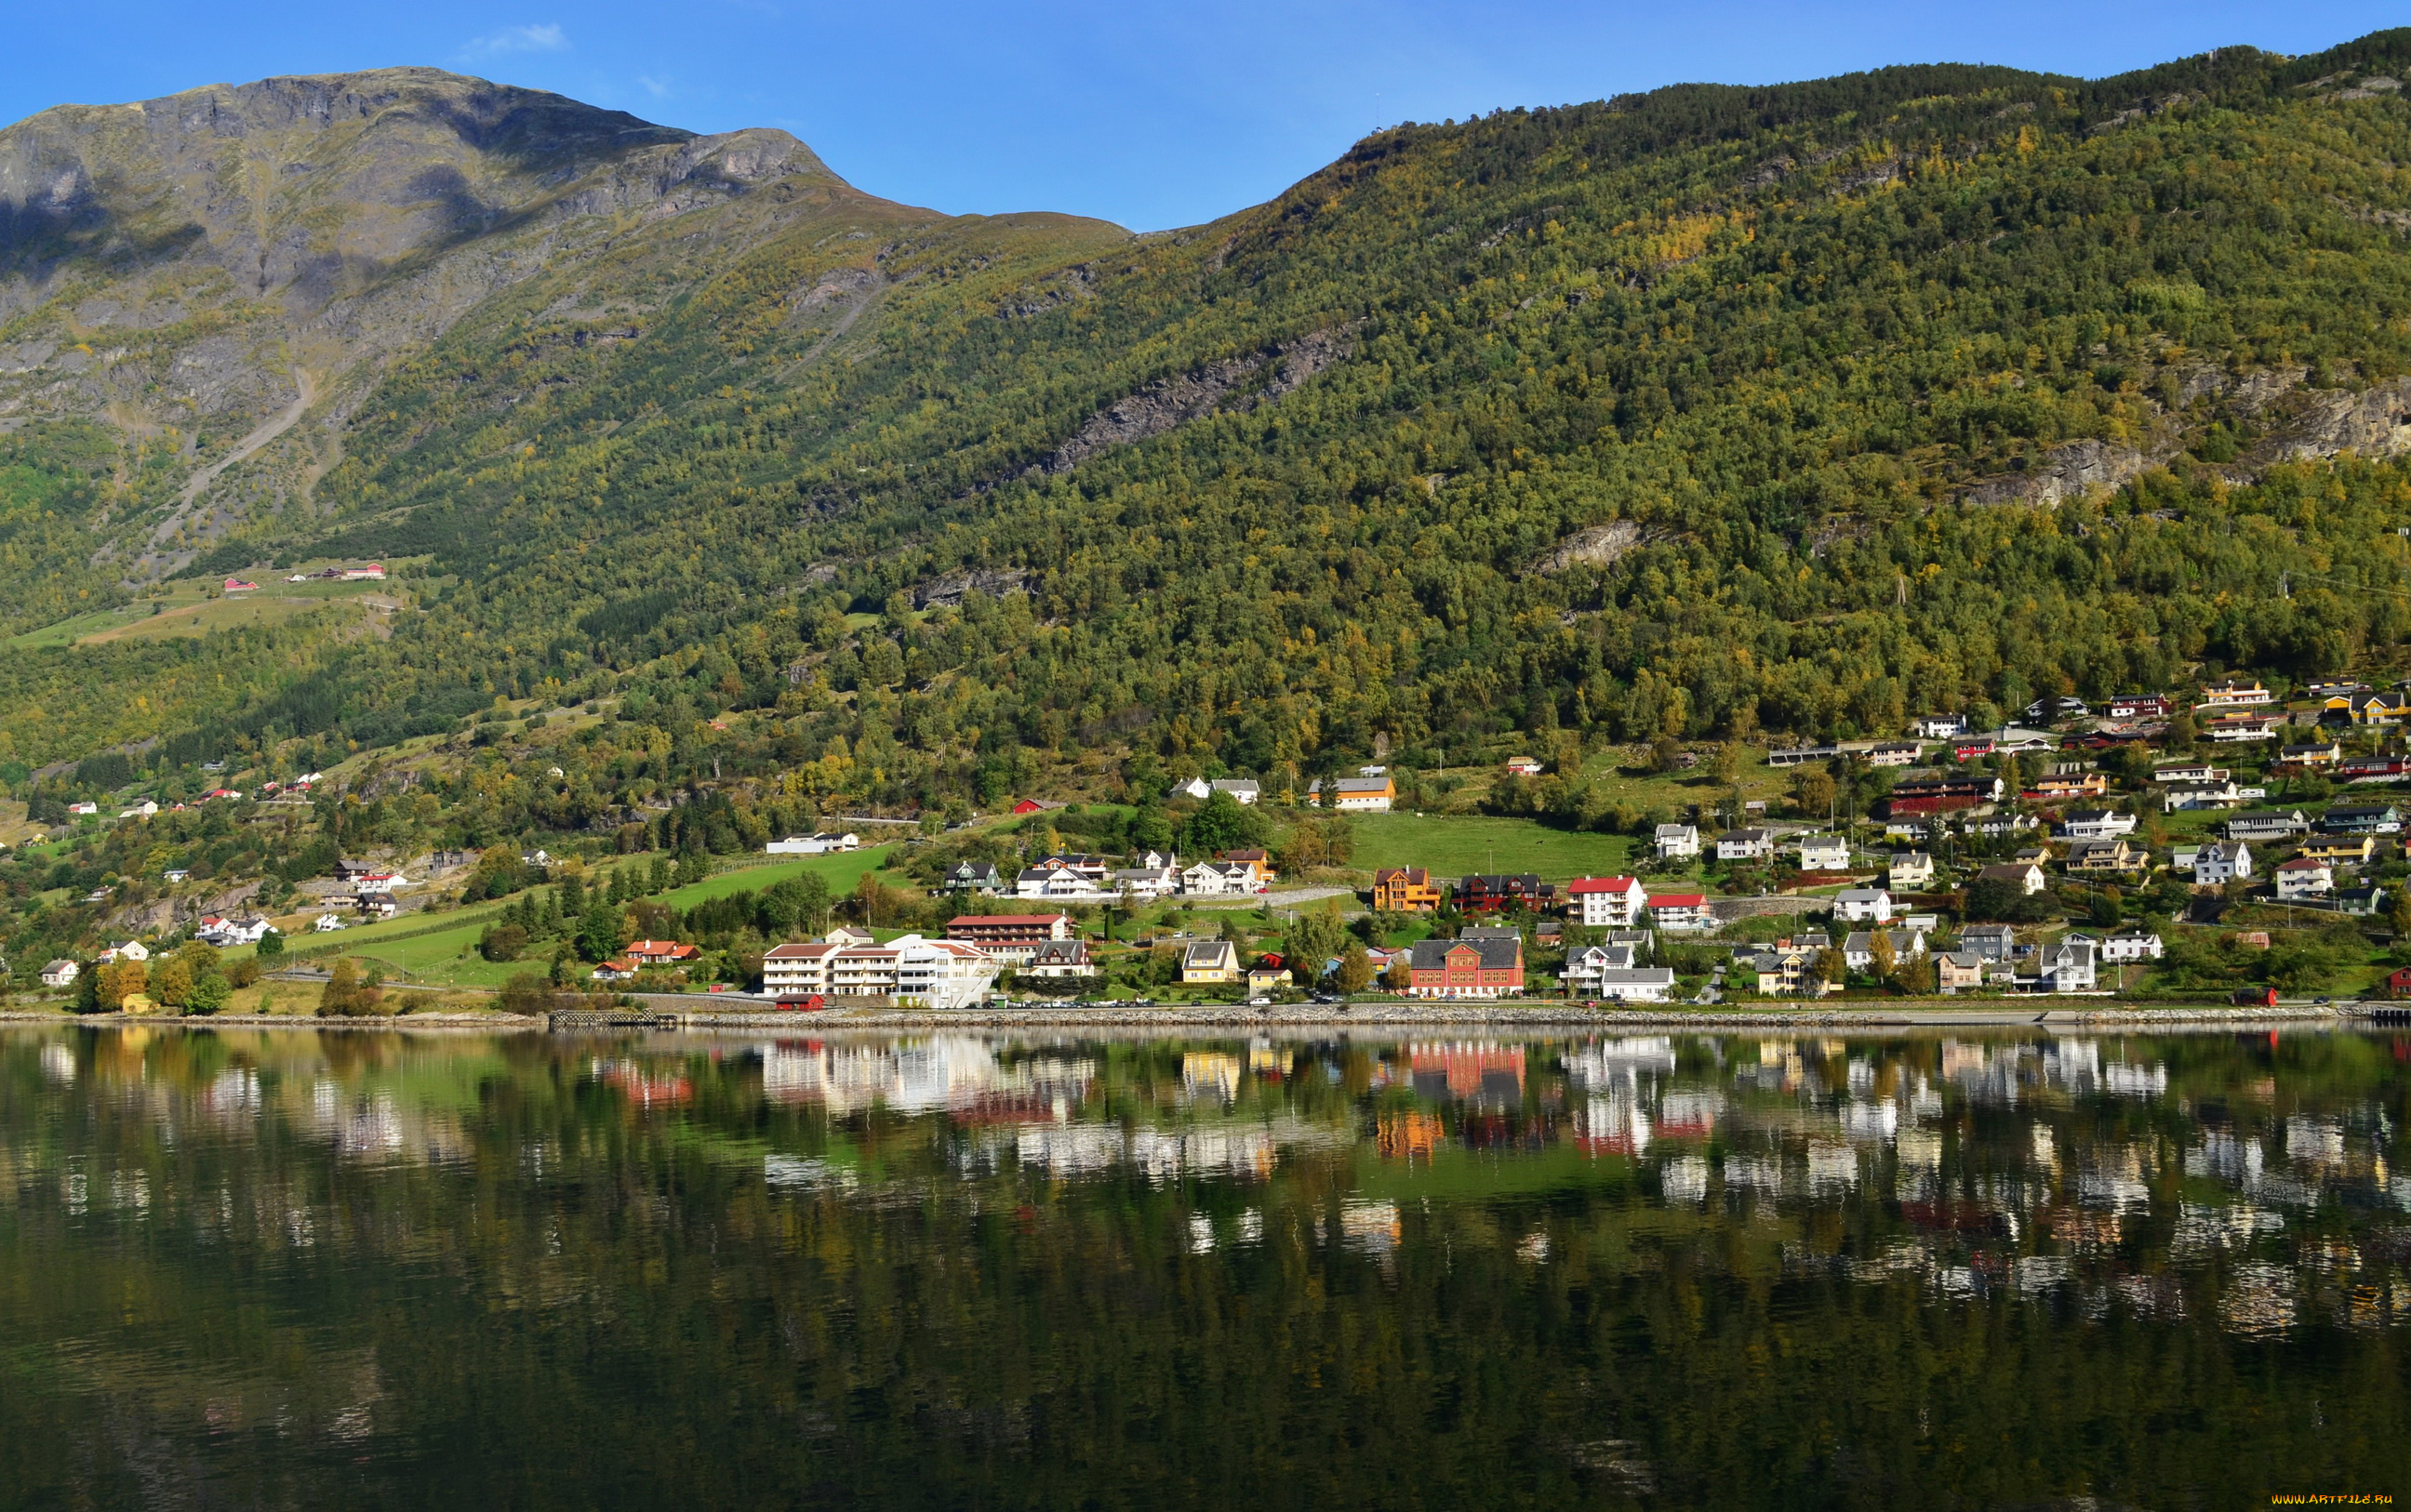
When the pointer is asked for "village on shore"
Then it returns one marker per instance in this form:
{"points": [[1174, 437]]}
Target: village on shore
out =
{"points": [[2235, 844]]}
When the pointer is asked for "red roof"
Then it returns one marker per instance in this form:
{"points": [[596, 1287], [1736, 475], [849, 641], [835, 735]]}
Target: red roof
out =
{"points": [[1029, 805], [1601, 884], [1678, 900]]}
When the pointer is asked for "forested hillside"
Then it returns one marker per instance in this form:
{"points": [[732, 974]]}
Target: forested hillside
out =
{"points": [[1704, 412]]}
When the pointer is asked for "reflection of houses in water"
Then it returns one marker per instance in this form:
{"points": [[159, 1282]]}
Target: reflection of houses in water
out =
{"points": [[1607, 1062], [1612, 1123], [372, 1123], [642, 1088], [1987, 1074], [1684, 1178], [1371, 1227], [1158, 1155], [1623, 1112], [1865, 1122], [1476, 1071], [1210, 1074], [1408, 1136], [913, 1077], [1689, 1115], [2126, 1079]]}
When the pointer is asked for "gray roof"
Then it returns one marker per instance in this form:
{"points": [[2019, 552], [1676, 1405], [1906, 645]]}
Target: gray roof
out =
{"points": [[1502, 950]]}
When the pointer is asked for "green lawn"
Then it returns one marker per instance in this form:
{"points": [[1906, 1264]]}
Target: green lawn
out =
{"points": [[449, 956], [1454, 845], [843, 871]]}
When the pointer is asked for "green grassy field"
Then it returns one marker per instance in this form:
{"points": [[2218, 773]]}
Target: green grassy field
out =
{"points": [[186, 609], [1454, 845], [843, 871], [449, 956]]}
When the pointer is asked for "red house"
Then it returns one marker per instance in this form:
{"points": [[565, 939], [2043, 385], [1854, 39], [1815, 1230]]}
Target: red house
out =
{"points": [[1477, 963], [1488, 892], [1943, 796], [2399, 984]]}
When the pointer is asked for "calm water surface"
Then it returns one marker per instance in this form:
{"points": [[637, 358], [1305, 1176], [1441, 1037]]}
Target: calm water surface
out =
{"points": [[301, 1270]]}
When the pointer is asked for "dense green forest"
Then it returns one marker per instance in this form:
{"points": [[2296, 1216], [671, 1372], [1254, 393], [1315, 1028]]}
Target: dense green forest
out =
{"points": [[1704, 412]]}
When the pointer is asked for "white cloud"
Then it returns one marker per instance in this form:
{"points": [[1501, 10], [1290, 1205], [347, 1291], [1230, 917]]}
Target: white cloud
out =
{"points": [[547, 38], [658, 88]]}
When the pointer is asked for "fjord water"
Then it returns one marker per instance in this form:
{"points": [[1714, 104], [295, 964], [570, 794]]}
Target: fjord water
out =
{"points": [[301, 1269]]}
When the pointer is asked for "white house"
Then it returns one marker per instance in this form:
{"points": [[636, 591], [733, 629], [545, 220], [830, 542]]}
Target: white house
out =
{"points": [[1145, 881], [83, 809], [818, 844], [1240, 790], [224, 932], [2304, 877], [914, 971], [1061, 959], [1745, 845], [1608, 902], [2221, 861], [2096, 825], [1941, 726], [1524, 765], [131, 950], [1824, 852], [1863, 905], [1910, 871], [2068, 965], [1055, 879], [60, 973], [2127, 945], [1674, 840], [1607, 971], [1220, 879], [2024, 875], [1635, 984], [2178, 796], [2267, 825], [1859, 947], [326, 923]]}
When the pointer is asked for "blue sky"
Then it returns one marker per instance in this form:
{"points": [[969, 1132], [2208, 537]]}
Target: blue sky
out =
{"points": [[1150, 115]]}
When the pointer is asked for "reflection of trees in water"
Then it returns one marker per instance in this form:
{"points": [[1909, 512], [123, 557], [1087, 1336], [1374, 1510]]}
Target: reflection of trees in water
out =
{"points": [[1038, 1249]]}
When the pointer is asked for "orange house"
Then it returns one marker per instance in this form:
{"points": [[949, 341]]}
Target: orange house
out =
{"points": [[1405, 889]]}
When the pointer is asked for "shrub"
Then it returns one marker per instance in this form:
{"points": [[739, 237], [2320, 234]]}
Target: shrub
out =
{"points": [[502, 942]]}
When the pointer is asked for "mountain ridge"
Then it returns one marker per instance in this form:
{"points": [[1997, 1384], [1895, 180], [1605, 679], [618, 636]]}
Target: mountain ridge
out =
{"points": [[1758, 339]]}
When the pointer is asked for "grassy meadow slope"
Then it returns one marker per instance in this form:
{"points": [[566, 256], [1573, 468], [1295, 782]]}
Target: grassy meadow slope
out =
{"points": [[1702, 411]]}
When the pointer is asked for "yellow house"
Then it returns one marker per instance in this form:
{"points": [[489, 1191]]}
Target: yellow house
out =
{"points": [[2341, 850], [1210, 962]]}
